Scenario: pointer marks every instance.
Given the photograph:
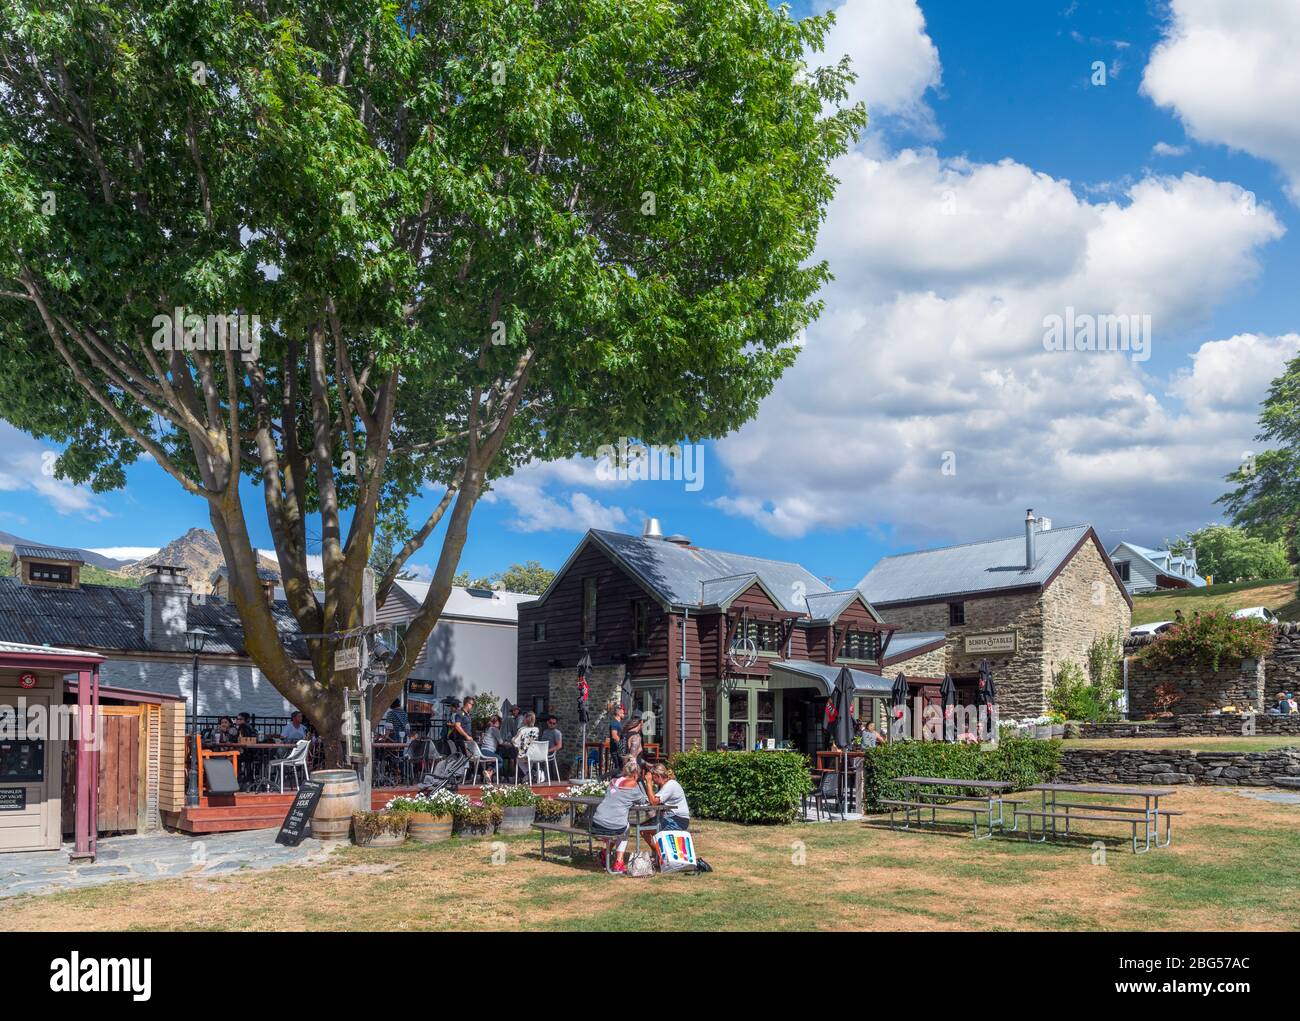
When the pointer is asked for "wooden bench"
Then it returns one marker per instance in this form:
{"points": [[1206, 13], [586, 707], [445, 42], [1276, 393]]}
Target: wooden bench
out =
{"points": [[564, 829]]}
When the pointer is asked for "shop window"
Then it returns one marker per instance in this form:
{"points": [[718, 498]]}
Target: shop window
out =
{"points": [[764, 715], [956, 614], [61, 573], [765, 634], [738, 720], [710, 721], [861, 645]]}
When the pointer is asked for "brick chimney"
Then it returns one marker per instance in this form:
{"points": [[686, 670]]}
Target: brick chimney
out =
{"points": [[166, 608]]}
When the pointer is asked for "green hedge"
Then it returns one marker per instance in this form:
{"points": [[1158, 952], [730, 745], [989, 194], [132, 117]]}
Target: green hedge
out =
{"points": [[1019, 761], [751, 787]]}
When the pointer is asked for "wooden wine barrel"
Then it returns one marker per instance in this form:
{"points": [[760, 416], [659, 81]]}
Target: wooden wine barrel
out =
{"points": [[430, 829], [340, 798]]}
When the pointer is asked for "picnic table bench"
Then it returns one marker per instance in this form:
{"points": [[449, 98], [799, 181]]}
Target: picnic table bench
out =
{"points": [[1054, 811], [647, 820], [986, 796]]}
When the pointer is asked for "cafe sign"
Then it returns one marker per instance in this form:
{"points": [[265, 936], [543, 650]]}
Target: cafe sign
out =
{"points": [[1000, 641]]}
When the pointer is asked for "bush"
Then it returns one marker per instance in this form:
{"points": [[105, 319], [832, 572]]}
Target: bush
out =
{"points": [[508, 796], [1210, 639], [550, 809], [1019, 761], [749, 787]]}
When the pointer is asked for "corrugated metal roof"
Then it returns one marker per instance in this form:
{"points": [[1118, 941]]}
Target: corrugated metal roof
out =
{"points": [[49, 553], [864, 683], [23, 649], [676, 572], [721, 591], [970, 567], [499, 606], [904, 643], [107, 617]]}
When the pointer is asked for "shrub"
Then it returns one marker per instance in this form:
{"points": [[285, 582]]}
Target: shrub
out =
{"points": [[750, 787], [479, 815], [368, 825], [1210, 639], [551, 808], [508, 796], [1019, 761]]}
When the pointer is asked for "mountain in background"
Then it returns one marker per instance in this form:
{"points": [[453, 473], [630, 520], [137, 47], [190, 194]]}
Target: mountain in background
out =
{"points": [[197, 551], [8, 541]]}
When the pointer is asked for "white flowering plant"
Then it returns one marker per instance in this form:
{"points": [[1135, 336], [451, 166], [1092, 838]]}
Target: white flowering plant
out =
{"points": [[437, 803], [589, 789]]}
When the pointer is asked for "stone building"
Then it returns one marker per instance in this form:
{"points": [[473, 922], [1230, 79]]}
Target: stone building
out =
{"points": [[1027, 603]]}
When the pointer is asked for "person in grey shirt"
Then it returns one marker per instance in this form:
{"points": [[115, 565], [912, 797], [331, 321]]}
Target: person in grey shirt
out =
{"points": [[609, 820]]}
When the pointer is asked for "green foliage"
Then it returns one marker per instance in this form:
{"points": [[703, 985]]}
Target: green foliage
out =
{"points": [[749, 787], [508, 796], [1232, 554], [1266, 499], [530, 577], [550, 809], [486, 705], [368, 825], [1211, 639], [1093, 696], [1019, 761]]}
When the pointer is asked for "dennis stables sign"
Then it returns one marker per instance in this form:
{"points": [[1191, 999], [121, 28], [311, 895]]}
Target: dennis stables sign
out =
{"points": [[999, 641]]}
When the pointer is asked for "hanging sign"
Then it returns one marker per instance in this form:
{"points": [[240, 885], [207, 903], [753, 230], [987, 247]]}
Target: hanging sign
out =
{"points": [[347, 659]]}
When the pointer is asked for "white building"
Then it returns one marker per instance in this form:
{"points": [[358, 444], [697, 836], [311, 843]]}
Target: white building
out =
{"points": [[1145, 570]]}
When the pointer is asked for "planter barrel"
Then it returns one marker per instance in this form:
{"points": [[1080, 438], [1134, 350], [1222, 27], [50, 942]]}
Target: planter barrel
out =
{"points": [[471, 831], [517, 819], [385, 839], [339, 799], [430, 829]]}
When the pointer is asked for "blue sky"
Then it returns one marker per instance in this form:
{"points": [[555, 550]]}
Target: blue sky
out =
{"points": [[996, 184]]}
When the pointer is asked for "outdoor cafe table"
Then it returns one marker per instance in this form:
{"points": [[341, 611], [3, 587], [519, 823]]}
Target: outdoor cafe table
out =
{"points": [[261, 772], [1150, 797], [988, 791]]}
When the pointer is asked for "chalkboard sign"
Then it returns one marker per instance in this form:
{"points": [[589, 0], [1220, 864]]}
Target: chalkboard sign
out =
{"points": [[294, 827], [13, 799]]}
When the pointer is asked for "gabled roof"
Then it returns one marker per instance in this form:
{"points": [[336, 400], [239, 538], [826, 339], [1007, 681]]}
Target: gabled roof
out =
{"points": [[906, 644], [677, 575], [972, 567], [825, 607], [1161, 561], [481, 604], [111, 618], [864, 683], [48, 553]]}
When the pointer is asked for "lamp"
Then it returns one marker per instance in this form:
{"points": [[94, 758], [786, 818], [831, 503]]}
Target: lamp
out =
{"points": [[195, 640]]}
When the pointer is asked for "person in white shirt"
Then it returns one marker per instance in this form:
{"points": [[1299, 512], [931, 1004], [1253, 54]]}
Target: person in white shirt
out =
{"points": [[669, 793], [294, 730]]}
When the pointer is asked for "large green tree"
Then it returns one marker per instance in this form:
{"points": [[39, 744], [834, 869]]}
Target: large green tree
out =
{"points": [[1233, 554], [475, 233], [1266, 500]]}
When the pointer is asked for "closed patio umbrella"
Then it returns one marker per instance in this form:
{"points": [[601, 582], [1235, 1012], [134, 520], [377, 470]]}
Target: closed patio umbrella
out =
{"points": [[986, 696], [584, 692], [948, 702], [898, 698], [625, 692], [839, 721]]}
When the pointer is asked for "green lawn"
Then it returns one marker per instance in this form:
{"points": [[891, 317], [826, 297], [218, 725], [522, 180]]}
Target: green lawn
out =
{"points": [[1190, 744], [1234, 864], [1278, 594]]}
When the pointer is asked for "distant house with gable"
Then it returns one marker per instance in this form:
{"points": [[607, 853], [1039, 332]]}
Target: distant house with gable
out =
{"points": [[1146, 570]]}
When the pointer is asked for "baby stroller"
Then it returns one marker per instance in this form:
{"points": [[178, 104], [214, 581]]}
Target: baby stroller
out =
{"points": [[448, 774]]}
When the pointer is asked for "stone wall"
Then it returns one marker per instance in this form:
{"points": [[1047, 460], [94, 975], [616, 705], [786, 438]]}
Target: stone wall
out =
{"points": [[604, 684], [1282, 668], [1202, 725], [1195, 689], [1083, 603], [928, 664], [1278, 768]]}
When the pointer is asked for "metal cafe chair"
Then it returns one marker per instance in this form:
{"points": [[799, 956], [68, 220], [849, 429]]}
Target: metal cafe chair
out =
{"points": [[295, 760]]}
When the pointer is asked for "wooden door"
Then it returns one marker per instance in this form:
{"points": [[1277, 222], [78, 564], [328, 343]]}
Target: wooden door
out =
{"points": [[119, 770], [29, 806]]}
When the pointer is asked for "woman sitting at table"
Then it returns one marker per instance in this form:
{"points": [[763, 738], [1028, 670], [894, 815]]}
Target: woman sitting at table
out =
{"points": [[494, 746], [224, 731], [670, 793], [609, 820]]}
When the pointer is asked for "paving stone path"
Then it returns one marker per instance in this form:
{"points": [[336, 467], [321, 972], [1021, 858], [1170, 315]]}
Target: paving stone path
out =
{"points": [[152, 856]]}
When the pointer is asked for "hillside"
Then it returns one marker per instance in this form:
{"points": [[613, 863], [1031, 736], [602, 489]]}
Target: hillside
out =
{"points": [[197, 551], [1278, 594], [8, 541], [90, 575]]}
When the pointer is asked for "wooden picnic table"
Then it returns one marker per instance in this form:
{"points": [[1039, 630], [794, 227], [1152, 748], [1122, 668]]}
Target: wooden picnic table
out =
{"points": [[650, 822], [916, 798], [1052, 807]]}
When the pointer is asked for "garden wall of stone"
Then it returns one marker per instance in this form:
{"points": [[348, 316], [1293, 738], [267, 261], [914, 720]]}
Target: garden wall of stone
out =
{"points": [[1202, 725], [1278, 768]]}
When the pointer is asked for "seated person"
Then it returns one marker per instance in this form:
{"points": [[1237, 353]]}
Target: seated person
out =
{"points": [[526, 734], [399, 724], [670, 793], [494, 746], [295, 730], [244, 726], [609, 820], [224, 731]]}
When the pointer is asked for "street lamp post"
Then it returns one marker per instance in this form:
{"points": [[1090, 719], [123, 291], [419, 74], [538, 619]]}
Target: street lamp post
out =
{"points": [[194, 642]]}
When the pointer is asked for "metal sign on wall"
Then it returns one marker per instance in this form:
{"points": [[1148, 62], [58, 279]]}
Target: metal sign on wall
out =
{"points": [[1001, 641]]}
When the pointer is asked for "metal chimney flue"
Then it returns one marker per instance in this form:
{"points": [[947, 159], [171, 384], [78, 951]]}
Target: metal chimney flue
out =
{"points": [[652, 529], [1031, 542]]}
